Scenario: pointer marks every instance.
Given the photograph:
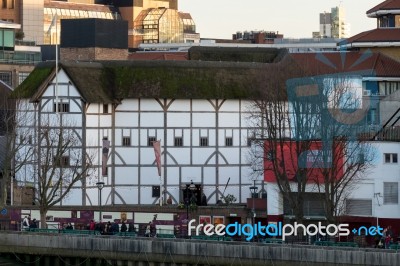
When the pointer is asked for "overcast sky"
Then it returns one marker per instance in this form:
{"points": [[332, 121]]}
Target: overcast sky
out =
{"points": [[293, 18]]}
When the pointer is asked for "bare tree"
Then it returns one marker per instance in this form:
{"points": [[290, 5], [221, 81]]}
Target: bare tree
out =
{"points": [[307, 136], [346, 156], [60, 161], [13, 143]]}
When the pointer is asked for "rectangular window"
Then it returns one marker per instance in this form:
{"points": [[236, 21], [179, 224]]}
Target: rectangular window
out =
{"points": [[61, 161], [229, 141], [178, 142], [126, 141], [22, 76], [155, 192], [390, 193], [390, 157], [150, 141], [105, 108], [6, 77], [203, 141], [359, 207], [62, 107], [249, 141]]}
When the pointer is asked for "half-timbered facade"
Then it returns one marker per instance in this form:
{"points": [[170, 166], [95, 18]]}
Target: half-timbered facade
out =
{"points": [[198, 110]]}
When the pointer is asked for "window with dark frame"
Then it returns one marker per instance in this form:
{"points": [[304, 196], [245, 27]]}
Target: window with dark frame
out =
{"points": [[62, 107], [178, 142], [249, 141], [105, 108], [155, 192], [150, 141], [126, 141], [203, 141], [61, 161], [229, 141], [391, 157]]}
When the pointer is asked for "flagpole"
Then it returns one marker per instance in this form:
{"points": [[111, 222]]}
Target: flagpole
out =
{"points": [[57, 103], [161, 181]]}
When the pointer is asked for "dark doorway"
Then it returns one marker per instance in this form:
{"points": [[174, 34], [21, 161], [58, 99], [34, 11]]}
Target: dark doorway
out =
{"points": [[192, 195]]}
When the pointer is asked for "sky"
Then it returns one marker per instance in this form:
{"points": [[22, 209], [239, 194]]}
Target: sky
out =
{"points": [[293, 18]]}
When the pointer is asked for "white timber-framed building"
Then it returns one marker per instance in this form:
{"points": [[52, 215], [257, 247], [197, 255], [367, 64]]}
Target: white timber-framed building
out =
{"points": [[197, 109]]}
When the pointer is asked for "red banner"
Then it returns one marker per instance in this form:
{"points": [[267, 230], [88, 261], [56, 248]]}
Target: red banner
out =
{"points": [[157, 153]]}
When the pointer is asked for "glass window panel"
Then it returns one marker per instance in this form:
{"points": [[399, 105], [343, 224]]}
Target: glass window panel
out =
{"points": [[8, 38]]}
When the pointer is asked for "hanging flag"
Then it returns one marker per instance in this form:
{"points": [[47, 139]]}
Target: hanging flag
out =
{"points": [[106, 148], [157, 153], [52, 24]]}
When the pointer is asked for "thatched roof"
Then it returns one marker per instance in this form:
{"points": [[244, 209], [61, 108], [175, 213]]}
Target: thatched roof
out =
{"points": [[111, 81]]}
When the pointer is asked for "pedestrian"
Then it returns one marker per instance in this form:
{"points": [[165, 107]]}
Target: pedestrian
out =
{"points": [[33, 224], [107, 229], [123, 227], [203, 199], [131, 227], [169, 200], [69, 227], [92, 225], [153, 229], [25, 223], [147, 232], [114, 227]]}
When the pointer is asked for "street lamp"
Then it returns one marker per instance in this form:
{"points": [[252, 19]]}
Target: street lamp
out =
{"points": [[191, 187], [253, 191], [100, 186]]}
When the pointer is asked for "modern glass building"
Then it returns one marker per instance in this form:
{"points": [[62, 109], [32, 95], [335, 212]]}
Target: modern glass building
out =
{"points": [[158, 25], [17, 58], [40, 19]]}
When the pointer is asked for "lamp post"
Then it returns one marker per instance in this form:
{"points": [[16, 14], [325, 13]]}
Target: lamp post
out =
{"points": [[100, 186], [253, 190], [191, 187]]}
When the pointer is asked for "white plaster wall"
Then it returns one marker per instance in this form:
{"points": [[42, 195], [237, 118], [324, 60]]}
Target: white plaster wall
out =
{"points": [[202, 105], [150, 105], [180, 120], [203, 120], [125, 119], [128, 105], [179, 105]]}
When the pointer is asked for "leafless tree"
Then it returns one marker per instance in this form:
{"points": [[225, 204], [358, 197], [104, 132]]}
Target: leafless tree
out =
{"points": [[59, 163], [13, 159], [305, 133]]}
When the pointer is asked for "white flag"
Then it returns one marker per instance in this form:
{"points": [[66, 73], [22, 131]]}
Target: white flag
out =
{"points": [[52, 24]]}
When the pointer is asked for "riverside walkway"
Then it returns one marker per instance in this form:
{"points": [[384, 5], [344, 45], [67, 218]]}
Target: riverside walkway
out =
{"points": [[74, 249]]}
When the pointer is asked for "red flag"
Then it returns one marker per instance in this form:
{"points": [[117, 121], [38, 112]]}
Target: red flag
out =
{"points": [[106, 147], [157, 153]]}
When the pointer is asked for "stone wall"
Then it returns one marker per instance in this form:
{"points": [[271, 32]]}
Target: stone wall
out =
{"points": [[93, 53], [157, 251]]}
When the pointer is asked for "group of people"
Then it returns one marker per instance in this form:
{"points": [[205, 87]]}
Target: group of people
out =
{"points": [[27, 223], [111, 228], [386, 239], [150, 230]]}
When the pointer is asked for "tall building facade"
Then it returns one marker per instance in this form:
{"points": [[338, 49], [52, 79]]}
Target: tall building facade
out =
{"points": [[40, 19], [385, 38], [333, 24]]}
